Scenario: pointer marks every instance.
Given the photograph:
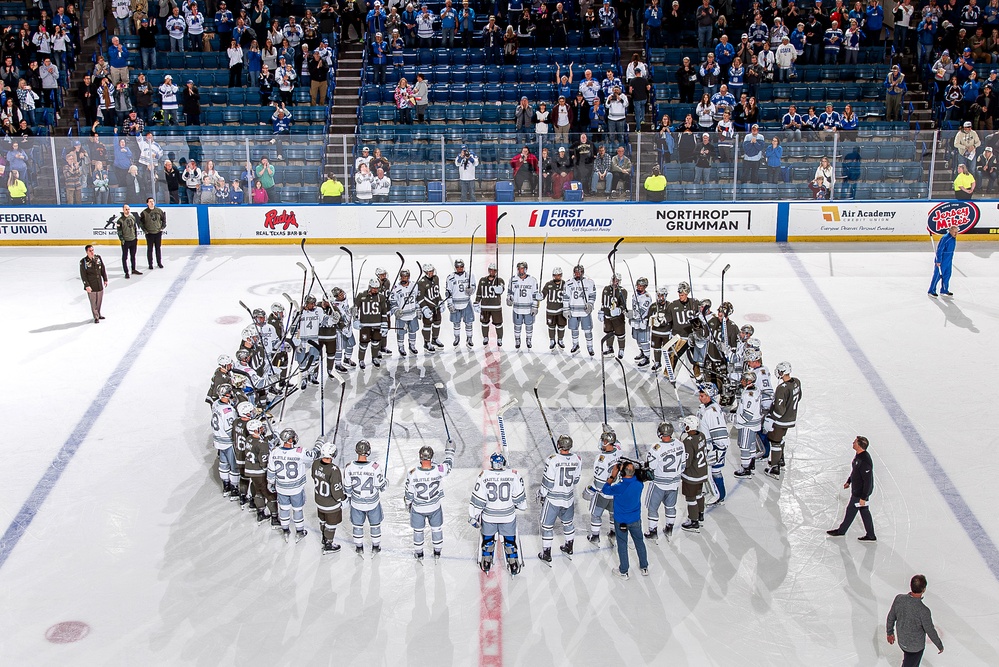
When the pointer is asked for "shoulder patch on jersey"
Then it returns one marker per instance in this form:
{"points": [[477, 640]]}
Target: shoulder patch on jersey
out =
{"points": [[412, 470], [440, 467], [600, 458], [656, 447], [374, 464]]}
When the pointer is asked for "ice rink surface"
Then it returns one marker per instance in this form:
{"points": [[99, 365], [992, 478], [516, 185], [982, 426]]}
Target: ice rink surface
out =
{"points": [[117, 530]]}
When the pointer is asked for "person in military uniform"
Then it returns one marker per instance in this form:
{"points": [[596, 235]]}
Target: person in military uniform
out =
{"points": [[95, 279], [127, 227]]}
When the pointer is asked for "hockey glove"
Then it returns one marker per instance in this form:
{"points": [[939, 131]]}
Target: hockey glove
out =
{"points": [[383, 331], [565, 313], [477, 307], [534, 309], [427, 313], [588, 493], [271, 488], [357, 324], [768, 424], [473, 522], [450, 308], [540, 497], [600, 315], [509, 300], [497, 290], [589, 308]]}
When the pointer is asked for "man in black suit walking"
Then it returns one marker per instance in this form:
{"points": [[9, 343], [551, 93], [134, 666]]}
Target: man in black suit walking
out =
{"points": [[861, 483]]}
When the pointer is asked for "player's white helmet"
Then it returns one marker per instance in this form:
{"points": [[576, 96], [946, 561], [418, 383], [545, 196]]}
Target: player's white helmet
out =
{"points": [[747, 330], [327, 450], [691, 422], [557, 271], [225, 389], [243, 355], [665, 430], [492, 266], [616, 277], [564, 443], [381, 272], [459, 262], [752, 354], [753, 343], [362, 448], [749, 377], [254, 426], [427, 268], [783, 368], [250, 333], [373, 283], [426, 453], [277, 308], [662, 293], [244, 409], [225, 360]]}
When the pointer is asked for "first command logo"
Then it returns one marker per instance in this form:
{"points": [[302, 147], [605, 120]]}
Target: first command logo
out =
{"points": [[963, 215]]}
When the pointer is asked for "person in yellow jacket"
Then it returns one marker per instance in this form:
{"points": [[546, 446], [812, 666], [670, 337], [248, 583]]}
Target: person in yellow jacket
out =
{"points": [[655, 185], [331, 190]]}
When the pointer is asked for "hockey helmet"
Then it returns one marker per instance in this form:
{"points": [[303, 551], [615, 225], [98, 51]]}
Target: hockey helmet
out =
{"points": [[404, 272], [374, 284], [225, 389], [749, 378], [522, 265], [752, 354], [254, 426], [578, 269], [665, 430], [242, 355], [339, 294], [557, 271], [244, 409], [705, 307], [642, 282], [259, 314], [691, 422], [381, 272], [683, 288], [238, 380], [426, 453], [564, 443], [310, 300], [277, 308], [662, 293], [428, 268], [783, 368], [497, 461], [492, 266], [327, 450], [459, 263], [362, 448], [753, 343], [225, 360], [726, 308], [608, 437], [616, 278], [250, 333], [289, 435], [746, 331], [709, 389]]}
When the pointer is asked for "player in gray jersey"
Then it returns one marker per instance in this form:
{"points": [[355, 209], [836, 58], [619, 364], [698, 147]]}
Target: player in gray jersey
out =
{"points": [[423, 494], [223, 415], [287, 472], [406, 312], [748, 419], [430, 303], [220, 377], [667, 459], [257, 456], [552, 294], [489, 304], [345, 341], [723, 335], [782, 415], [522, 294], [694, 475], [613, 310], [557, 495], [715, 431], [240, 442], [305, 332], [577, 305], [364, 484], [458, 292], [327, 482], [641, 304], [608, 456]]}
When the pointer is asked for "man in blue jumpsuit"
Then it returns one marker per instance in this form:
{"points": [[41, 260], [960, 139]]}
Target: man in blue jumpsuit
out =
{"points": [[943, 262]]}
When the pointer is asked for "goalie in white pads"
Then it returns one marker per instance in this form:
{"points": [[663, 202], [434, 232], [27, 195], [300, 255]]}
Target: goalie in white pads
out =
{"points": [[458, 290], [365, 482], [577, 305], [405, 310], [557, 496], [423, 494], [715, 431], [498, 493], [328, 482], [287, 471], [748, 419], [610, 452], [522, 294], [667, 459]]}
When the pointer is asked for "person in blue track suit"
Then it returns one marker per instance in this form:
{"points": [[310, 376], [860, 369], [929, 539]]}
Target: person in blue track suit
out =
{"points": [[943, 263]]}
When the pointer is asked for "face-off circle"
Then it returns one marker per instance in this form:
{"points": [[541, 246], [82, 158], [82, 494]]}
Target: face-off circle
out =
{"points": [[228, 319], [67, 632], [756, 317]]}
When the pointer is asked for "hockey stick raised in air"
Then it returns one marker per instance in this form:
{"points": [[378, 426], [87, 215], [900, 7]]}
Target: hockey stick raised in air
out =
{"points": [[314, 276], [388, 445], [627, 395], [690, 280], [541, 407], [724, 271], [353, 283], [655, 273], [502, 428]]}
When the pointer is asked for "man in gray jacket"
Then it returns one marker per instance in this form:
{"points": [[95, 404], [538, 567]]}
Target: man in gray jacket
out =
{"points": [[128, 234], [914, 623]]}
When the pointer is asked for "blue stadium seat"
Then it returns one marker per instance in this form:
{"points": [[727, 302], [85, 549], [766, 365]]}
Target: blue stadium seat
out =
{"points": [[476, 93]]}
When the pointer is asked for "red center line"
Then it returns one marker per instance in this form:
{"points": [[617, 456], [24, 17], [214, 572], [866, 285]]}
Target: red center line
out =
{"points": [[491, 586]]}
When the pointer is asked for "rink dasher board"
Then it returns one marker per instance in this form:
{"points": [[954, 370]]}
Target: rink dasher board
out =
{"points": [[80, 225]]}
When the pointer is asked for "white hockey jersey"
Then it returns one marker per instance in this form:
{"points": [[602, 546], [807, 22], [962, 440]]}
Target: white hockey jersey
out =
{"points": [[765, 383], [496, 496], [364, 482], [602, 466], [579, 297], [223, 414], [640, 305], [424, 488], [667, 461], [346, 315], [288, 468], [252, 378], [713, 426], [269, 338], [402, 301], [524, 294], [308, 323], [459, 290], [749, 415], [562, 474]]}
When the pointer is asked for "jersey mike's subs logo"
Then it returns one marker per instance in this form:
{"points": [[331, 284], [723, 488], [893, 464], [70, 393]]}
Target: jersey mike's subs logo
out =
{"points": [[570, 218], [961, 214]]}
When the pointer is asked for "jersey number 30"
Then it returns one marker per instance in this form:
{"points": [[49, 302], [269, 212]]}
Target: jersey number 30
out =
{"points": [[499, 491]]}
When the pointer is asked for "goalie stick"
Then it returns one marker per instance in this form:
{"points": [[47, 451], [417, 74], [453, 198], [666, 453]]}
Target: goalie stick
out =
{"points": [[541, 407]]}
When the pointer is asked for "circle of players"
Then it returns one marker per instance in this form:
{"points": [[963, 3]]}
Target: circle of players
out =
{"points": [[267, 470]]}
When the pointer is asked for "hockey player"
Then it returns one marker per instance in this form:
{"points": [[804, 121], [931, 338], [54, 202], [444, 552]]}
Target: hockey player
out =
{"points": [[764, 381], [723, 335], [240, 442], [613, 307], [681, 313], [659, 325], [223, 415], [257, 455], [385, 289], [553, 294], [609, 454], [241, 391], [329, 494], [268, 334], [306, 340], [404, 307], [715, 431], [276, 318], [287, 471], [557, 495], [781, 416], [497, 494], [329, 327], [220, 377], [746, 332], [243, 368], [459, 302], [489, 304], [345, 341], [429, 300], [641, 303], [577, 306], [423, 495], [748, 419], [695, 474], [372, 321], [365, 483], [667, 460], [523, 296]]}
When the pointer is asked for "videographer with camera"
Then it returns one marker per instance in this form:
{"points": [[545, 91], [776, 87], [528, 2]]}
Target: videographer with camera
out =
{"points": [[466, 162], [627, 495]]}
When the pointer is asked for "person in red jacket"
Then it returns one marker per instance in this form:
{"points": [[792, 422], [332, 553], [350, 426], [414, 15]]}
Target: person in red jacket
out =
{"points": [[525, 170]]}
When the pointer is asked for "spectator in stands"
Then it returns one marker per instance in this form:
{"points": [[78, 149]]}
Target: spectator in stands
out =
{"points": [[784, 57], [319, 72], [686, 141], [16, 189], [353, 17], [265, 174], [329, 22], [425, 27], [894, 93], [966, 143], [778, 31], [640, 89], [17, 158], [398, 47], [582, 161], [655, 185], [580, 113], [363, 184], [726, 137], [775, 155], [269, 56], [492, 41], [687, 77], [986, 168], [466, 24], [874, 22], [607, 16], [224, 23], [653, 24], [284, 79], [254, 62], [122, 11], [902, 15], [810, 125], [829, 122], [608, 84], [561, 117], [617, 121], [265, 85], [168, 99], [736, 77], [405, 101], [170, 175], [235, 53], [767, 62], [191, 101], [286, 51], [753, 149], [970, 89], [525, 170], [49, 74], [192, 181], [101, 182], [11, 116], [988, 104], [206, 194], [449, 24], [72, 177], [563, 82], [591, 27], [131, 124], [511, 44], [380, 187], [379, 160], [589, 87], [540, 121], [709, 75], [704, 18], [722, 101], [601, 172], [964, 182], [824, 174], [702, 163], [953, 97], [524, 120], [724, 55], [926, 33], [142, 91], [561, 173], [196, 28], [598, 120], [705, 113], [281, 120], [751, 112], [122, 161], [621, 170], [379, 58], [331, 191], [27, 99], [848, 124], [466, 161], [421, 93], [363, 158], [259, 194], [792, 124]]}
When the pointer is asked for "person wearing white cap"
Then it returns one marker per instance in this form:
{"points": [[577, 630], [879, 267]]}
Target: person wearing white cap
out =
{"points": [[987, 169], [363, 158], [966, 143], [673, 23], [785, 57], [894, 92], [753, 149]]}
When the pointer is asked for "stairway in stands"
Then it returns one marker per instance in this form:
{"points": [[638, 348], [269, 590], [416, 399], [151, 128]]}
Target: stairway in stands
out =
{"points": [[343, 111]]}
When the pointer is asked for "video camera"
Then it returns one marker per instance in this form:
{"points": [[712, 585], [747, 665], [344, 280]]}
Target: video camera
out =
{"points": [[643, 473]]}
